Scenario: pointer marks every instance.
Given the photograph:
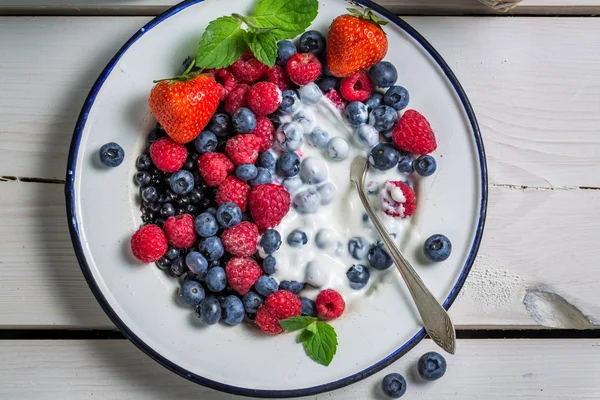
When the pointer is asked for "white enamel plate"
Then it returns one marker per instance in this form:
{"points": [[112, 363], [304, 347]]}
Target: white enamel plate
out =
{"points": [[104, 212]]}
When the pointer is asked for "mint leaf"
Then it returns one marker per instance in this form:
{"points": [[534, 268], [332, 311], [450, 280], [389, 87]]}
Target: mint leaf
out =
{"points": [[264, 46], [322, 345], [305, 335], [296, 323], [289, 17], [312, 327], [223, 42]]}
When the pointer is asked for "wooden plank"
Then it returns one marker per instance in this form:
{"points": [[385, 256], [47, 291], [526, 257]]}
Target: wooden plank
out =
{"points": [[481, 369], [539, 113], [536, 267]]}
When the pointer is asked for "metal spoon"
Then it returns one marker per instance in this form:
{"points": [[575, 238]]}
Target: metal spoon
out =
{"points": [[436, 321]]}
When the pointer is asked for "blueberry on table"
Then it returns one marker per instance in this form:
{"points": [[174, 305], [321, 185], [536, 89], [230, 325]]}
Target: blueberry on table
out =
{"points": [[384, 156], [285, 49], [297, 238], [266, 285], [383, 74], [378, 257], [232, 310], [318, 138], [243, 120], [197, 264], [263, 176], [206, 142], [212, 248], [215, 279], [246, 172], [406, 164], [337, 149], [383, 118], [270, 241], [396, 97], [288, 164], [312, 42], [268, 265], [191, 293], [431, 366], [356, 113], [206, 224], [252, 301], [309, 308], [291, 286], [327, 192], [209, 310], [182, 182], [358, 275], [437, 248], [307, 201], [111, 154], [358, 247], [229, 214], [220, 124], [425, 165], [393, 385], [290, 101]]}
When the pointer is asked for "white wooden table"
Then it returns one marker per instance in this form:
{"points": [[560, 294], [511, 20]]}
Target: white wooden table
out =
{"points": [[534, 81]]}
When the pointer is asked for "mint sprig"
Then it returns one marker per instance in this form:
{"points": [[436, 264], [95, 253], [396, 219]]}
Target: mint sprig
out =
{"points": [[225, 38], [319, 338]]}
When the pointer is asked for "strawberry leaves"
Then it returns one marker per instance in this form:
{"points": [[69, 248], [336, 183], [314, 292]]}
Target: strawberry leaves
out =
{"points": [[318, 338]]}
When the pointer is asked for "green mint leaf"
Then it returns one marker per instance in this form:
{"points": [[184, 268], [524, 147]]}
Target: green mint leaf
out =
{"points": [[289, 17], [305, 335], [263, 45], [312, 327], [296, 323], [223, 42], [322, 345]]}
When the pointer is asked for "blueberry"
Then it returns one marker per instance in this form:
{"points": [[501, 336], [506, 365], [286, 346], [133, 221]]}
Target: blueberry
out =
{"points": [[206, 224], [292, 184], [229, 214], [215, 279], [437, 248], [297, 238], [212, 248], [206, 142], [425, 165], [396, 97], [246, 172], [163, 263], [406, 164], [191, 293], [111, 154], [326, 83], [177, 267], [338, 149], [290, 101], [154, 135], [313, 170], [167, 210], [196, 263], [310, 93], [393, 385], [306, 119], [326, 71], [196, 195], [358, 247], [307, 201], [267, 160], [313, 42], [309, 308], [383, 118], [374, 101], [367, 136], [268, 265], [288, 164], [383, 74], [266, 285], [285, 49], [252, 301], [327, 192], [325, 238], [358, 275], [318, 138], [263, 176], [356, 113], [172, 253], [149, 194], [270, 241], [290, 136], [431, 366], [142, 178], [384, 156], [143, 162], [378, 257], [212, 210], [291, 286], [220, 124], [232, 310], [243, 120], [182, 182], [209, 310]]}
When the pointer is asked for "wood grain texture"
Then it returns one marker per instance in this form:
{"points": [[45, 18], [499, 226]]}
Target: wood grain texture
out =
{"points": [[481, 369], [539, 112], [534, 246]]}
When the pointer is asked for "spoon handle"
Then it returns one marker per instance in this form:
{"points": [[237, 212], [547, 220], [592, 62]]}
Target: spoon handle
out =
{"points": [[436, 321]]}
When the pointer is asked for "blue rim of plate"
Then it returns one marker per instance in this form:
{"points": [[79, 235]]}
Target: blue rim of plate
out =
{"points": [[74, 230]]}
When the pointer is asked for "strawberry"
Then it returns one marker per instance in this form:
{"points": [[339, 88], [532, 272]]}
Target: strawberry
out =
{"points": [[355, 42], [184, 106]]}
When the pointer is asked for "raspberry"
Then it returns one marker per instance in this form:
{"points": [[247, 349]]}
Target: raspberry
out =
{"points": [[414, 134], [284, 304], [247, 69], [149, 243], [330, 304], [269, 203], [397, 199], [180, 231], [167, 155], [357, 87], [336, 99], [225, 81], [265, 131], [237, 98], [264, 98], [243, 149], [241, 239], [233, 190], [214, 167], [267, 321], [242, 272], [303, 68], [279, 76]]}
